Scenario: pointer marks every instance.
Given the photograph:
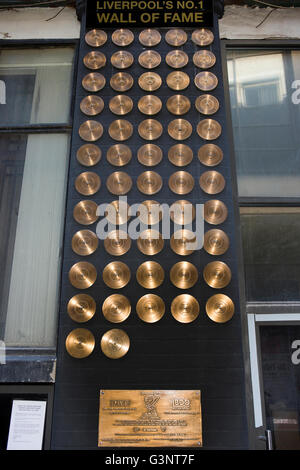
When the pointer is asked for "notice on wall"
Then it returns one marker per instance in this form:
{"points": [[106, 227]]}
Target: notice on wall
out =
{"points": [[26, 425]]}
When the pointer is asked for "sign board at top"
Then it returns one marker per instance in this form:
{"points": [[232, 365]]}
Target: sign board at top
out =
{"points": [[149, 13]]}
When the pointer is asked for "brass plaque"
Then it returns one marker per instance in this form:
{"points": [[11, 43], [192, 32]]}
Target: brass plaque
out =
{"points": [[150, 418]]}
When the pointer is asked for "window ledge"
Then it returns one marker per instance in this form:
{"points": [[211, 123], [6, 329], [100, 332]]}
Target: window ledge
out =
{"points": [[25, 365]]}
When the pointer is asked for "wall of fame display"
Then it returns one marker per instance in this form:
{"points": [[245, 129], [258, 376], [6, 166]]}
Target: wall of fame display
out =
{"points": [[149, 311]]}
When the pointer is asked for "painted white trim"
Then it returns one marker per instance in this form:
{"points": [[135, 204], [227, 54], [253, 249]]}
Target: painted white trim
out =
{"points": [[254, 366], [282, 317]]}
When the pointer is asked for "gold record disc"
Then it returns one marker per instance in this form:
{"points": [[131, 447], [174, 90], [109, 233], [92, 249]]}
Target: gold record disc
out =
{"points": [[184, 275], [180, 155], [216, 242], [149, 182], [88, 183], [178, 80], [207, 104], [176, 37], [210, 155], [120, 130], [122, 37], [88, 155], [94, 60], [150, 81], [217, 274], [117, 212], [96, 38], [185, 308], [81, 308], [90, 131], [149, 59], [204, 59], [212, 182], [150, 275], [93, 81], [178, 104], [181, 182], [206, 81], [150, 129], [119, 183], [116, 308], [115, 344], [149, 37], [85, 242], [121, 81], [180, 129], [183, 242], [215, 212], [202, 37], [120, 105], [80, 343], [150, 308], [149, 155], [209, 129], [220, 308], [122, 59], [177, 59], [117, 243], [149, 212], [82, 275], [119, 155], [92, 105], [182, 212], [85, 212], [116, 275], [150, 242], [149, 104]]}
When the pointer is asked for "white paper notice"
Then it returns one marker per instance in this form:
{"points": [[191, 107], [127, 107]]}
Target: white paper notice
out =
{"points": [[26, 425]]}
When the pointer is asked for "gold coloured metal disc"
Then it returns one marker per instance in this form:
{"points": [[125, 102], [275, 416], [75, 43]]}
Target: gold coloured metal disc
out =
{"points": [[185, 308], [150, 308], [81, 308], [149, 37], [120, 130], [119, 155], [150, 275], [149, 59], [116, 275], [117, 243], [122, 59], [119, 183], [184, 275], [150, 81], [82, 275], [216, 242], [90, 131], [80, 343], [150, 129], [120, 105], [177, 59], [117, 212], [212, 182], [149, 212], [115, 344], [183, 242], [122, 37], [178, 104], [85, 212], [149, 104], [176, 37], [85, 242], [121, 81], [116, 308], [182, 212], [96, 38], [181, 182], [217, 274], [210, 155], [149, 155], [178, 80], [204, 59], [209, 129], [88, 155], [92, 105], [202, 37], [93, 81], [149, 182], [206, 81], [215, 212], [88, 183], [207, 104], [94, 60], [220, 308], [150, 242], [180, 129], [180, 155]]}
